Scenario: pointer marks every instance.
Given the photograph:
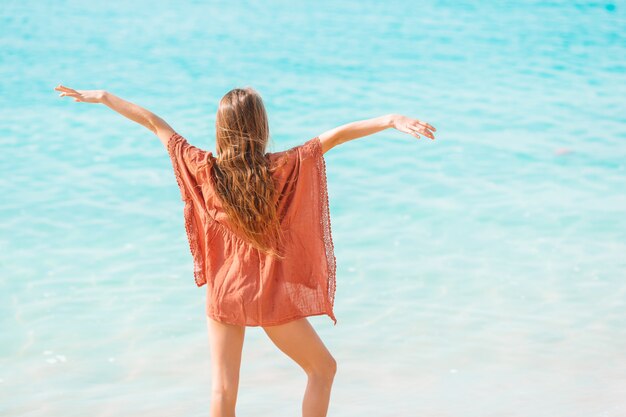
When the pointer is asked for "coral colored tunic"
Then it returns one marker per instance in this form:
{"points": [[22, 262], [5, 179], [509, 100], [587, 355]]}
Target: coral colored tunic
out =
{"points": [[245, 286]]}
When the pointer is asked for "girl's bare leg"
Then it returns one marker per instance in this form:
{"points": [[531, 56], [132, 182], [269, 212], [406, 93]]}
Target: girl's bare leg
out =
{"points": [[299, 340], [226, 344]]}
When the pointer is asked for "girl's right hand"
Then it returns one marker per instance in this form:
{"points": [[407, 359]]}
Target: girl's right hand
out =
{"points": [[412, 126]]}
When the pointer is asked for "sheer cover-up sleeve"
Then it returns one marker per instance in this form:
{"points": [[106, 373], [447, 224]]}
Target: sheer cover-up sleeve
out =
{"points": [[188, 162], [314, 205]]}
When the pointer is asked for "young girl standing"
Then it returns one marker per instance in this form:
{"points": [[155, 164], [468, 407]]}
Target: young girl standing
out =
{"points": [[259, 231]]}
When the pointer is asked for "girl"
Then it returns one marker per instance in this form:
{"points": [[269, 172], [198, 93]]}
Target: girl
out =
{"points": [[259, 233]]}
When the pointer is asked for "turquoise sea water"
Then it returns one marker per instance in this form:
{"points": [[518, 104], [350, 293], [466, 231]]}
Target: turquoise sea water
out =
{"points": [[481, 274]]}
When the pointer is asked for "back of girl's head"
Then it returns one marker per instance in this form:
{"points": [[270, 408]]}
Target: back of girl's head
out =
{"points": [[242, 174], [241, 122]]}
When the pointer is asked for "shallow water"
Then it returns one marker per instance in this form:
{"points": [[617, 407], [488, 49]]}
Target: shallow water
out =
{"points": [[481, 274]]}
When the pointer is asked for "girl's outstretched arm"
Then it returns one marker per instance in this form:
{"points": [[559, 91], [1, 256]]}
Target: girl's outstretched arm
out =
{"points": [[127, 109], [358, 129]]}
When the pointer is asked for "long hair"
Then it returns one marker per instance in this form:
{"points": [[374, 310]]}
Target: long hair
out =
{"points": [[242, 173]]}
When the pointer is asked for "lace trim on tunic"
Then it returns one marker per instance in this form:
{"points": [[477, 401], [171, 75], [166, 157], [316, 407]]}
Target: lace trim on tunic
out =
{"points": [[326, 228], [188, 211]]}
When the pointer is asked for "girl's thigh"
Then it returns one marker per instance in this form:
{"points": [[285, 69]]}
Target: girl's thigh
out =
{"points": [[226, 345], [299, 340]]}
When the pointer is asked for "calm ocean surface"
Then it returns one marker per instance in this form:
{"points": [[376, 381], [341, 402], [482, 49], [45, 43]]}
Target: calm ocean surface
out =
{"points": [[482, 274]]}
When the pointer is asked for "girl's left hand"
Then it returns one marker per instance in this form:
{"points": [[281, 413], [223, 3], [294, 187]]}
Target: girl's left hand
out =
{"points": [[88, 96]]}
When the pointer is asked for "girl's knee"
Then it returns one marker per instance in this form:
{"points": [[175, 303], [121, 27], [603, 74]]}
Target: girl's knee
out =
{"points": [[224, 393], [324, 369]]}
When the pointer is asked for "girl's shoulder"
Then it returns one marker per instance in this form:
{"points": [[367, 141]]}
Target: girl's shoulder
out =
{"points": [[298, 153]]}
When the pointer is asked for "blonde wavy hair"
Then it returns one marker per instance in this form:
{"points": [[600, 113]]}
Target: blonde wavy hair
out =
{"points": [[242, 173]]}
